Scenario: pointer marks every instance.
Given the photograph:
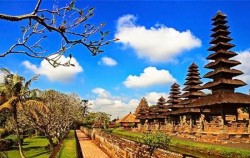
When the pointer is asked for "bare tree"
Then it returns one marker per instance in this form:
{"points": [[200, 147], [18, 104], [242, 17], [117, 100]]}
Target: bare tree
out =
{"points": [[69, 22]]}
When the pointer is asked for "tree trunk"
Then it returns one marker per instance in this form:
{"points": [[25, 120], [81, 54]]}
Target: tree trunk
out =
{"points": [[18, 136], [49, 138]]}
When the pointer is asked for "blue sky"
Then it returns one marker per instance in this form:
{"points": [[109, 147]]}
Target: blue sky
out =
{"points": [[158, 41]]}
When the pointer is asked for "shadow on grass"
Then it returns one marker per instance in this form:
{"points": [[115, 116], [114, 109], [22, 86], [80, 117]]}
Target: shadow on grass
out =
{"points": [[38, 154]]}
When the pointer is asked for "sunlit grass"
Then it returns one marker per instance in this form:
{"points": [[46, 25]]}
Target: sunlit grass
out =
{"points": [[190, 145], [69, 147], [33, 147]]}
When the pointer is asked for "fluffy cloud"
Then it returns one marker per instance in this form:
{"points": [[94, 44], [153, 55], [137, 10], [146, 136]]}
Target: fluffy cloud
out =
{"points": [[107, 61], [102, 93], [112, 105], [152, 97], [150, 76], [61, 73], [158, 43], [244, 57], [116, 106]]}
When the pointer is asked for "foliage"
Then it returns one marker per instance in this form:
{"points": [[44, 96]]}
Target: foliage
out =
{"points": [[63, 111], [98, 119], [210, 148], [69, 146], [68, 22], [5, 144], [155, 140], [189, 145], [13, 139], [33, 147], [14, 96]]}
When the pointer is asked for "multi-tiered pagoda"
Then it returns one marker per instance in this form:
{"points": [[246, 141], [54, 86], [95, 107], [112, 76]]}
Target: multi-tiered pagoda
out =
{"points": [[173, 103], [161, 110], [222, 73], [223, 100], [174, 97], [141, 111], [193, 86], [216, 113]]}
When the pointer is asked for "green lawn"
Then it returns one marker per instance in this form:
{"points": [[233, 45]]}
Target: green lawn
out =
{"points": [[33, 147], [210, 148], [190, 145], [69, 147]]}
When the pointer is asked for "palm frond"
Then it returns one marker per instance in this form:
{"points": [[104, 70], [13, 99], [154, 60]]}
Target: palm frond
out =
{"points": [[36, 108], [6, 71], [27, 84], [38, 105], [9, 104]]}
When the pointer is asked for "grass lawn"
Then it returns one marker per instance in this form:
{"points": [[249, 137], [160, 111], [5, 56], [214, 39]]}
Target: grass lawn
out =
{"points": [[190, 145], [33, 147], [69, 147], [210, 148]]}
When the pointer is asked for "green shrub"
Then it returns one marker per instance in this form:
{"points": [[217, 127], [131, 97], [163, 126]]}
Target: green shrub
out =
{"points": [[5, 144], [14, 139], [108, 130]]}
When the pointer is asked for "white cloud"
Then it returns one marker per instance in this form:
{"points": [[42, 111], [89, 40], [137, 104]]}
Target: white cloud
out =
{"points": [[158, 43], [107, 61], [152, 97], [61, 73], [102, 93], [150, 76], [112, 105], [116, 106], [244, 57]]}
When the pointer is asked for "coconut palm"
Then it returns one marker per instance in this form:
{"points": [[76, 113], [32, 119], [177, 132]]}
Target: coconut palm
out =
{"points": [[15, 96]]}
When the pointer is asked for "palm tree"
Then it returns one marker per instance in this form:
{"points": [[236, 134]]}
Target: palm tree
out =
{"points": [[14, 96]]}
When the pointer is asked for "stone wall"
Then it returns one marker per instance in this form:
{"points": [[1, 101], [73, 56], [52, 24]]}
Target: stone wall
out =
{"points": [[117, 147], [204, 131]]}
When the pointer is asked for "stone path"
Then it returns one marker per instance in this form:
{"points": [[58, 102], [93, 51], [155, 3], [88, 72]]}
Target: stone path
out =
{"points": [[89, 148]]}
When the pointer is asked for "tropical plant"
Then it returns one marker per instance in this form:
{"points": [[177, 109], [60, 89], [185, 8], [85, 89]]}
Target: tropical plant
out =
{"points": [[154, 140], [15, 96]]}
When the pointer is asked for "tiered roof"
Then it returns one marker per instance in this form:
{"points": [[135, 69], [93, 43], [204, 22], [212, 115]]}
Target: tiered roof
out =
{"points": [[174, 97], [161, 108], [141, 111], [223, 84], [142, 106], [192, 85], [222, 73]]}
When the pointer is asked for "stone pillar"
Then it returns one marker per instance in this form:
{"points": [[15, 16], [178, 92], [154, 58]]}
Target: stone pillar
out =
{"points": [[191, 123], [249, 120], [201, 124], [222, 121], [249, 126]]}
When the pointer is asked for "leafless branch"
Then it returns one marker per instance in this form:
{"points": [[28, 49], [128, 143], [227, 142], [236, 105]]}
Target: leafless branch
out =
{"points": [[69, 22]]}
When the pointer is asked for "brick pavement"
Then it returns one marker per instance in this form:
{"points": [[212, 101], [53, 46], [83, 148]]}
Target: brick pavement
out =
{"points": [[89, 148]]}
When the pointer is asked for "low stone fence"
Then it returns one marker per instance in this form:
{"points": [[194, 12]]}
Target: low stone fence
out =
{"points": [[117, 147], [234, 132]]}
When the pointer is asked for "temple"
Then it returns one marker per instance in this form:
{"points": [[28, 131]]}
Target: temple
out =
{"points": [[203, 116]]}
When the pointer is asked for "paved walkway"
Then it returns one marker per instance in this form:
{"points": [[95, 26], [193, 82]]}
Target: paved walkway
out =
{"points": [[89, 148]]}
